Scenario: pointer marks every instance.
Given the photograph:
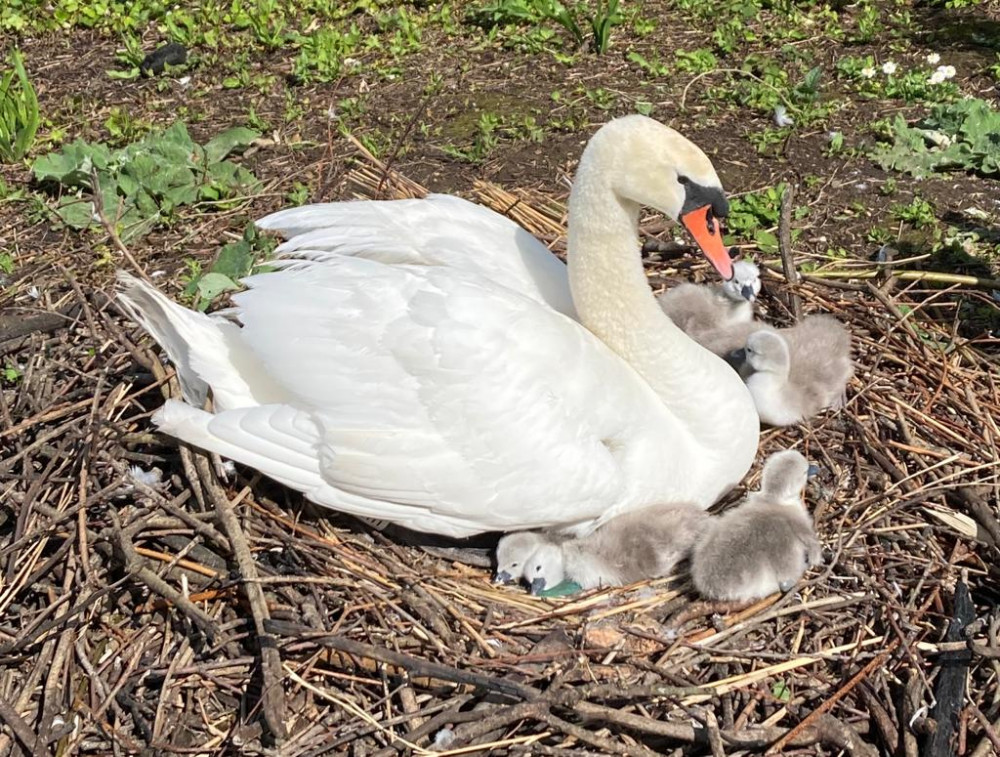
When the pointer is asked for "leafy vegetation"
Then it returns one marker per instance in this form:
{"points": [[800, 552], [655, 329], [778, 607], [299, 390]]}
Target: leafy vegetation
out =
{"points": [[142, 184], [19, 118], [755, 216], [964, 135], [234, 261]]}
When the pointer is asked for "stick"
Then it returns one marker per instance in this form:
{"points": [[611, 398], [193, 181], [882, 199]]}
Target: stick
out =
{"points": [[22, 731], [936, 277], [785, 248], [827, 705], [410, 664], [272, 698], [137, 569], [109, 228], [949, 692]]}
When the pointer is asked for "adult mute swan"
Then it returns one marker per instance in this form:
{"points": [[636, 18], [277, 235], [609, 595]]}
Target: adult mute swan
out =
{"points": [[425, 368]]}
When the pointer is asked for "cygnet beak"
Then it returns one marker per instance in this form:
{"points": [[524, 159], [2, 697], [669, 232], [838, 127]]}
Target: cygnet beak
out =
{"points": [[503, 577], [748, 293], [786, 586], [812, 471], [738, 356], [537, 586]]}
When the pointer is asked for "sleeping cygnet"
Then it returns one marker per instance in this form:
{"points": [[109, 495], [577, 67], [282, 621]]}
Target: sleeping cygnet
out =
{"points": [[513, 552], [707, 313], [795, 373], [646, 543], [764, 544]]}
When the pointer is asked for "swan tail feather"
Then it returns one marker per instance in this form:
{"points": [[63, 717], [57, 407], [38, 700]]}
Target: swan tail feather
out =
{"points": [[198, 345]]}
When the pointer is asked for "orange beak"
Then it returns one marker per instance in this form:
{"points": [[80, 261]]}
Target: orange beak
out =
{"points": [[708, 234]]}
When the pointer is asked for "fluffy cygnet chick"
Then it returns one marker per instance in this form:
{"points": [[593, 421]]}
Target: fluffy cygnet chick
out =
{"points": [[764, 544], [706, 313], [646, 543], [513, 552], [795, 373]]}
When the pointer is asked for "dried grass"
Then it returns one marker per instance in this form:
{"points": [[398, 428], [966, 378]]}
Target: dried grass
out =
{"points": [[132, 621]]}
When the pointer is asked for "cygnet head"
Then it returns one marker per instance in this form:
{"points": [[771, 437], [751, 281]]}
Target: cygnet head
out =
{"points": [[513, 552], [767, 352], [651, 164], [545, 569], [745, 284], [784, 477]]}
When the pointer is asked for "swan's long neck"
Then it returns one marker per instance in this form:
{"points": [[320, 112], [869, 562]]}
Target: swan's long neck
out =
{"points": [[614, 301]]}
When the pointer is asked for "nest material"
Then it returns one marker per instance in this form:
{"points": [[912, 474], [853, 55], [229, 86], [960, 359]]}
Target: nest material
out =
{"points": [[204, 615]]}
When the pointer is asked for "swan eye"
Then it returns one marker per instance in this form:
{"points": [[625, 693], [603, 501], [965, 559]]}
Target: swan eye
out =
{"points": [[513, 564], [681, 179]]}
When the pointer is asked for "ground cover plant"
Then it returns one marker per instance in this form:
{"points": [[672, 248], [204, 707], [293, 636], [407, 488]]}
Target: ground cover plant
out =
{"points": [[156, 601]]}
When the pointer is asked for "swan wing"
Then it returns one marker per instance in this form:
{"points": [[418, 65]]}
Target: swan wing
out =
{"points": [[437, 399], [438, 230]]}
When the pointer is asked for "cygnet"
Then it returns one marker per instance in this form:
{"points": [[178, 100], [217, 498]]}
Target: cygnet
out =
{"points": [[646, 543], [795, 373], [707, 312], [764, 544], [513, 552]]}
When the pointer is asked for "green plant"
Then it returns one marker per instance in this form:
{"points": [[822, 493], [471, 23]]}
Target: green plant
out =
{"points": [[6, 263], [322, 53], [919, 213], [654, 67], [958, 136], [602, 21], [11, 373], [697, 61], [19, 117], [754, 214], [234, 261], [141, 184]]}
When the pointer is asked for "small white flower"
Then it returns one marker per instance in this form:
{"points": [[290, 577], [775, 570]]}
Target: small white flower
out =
{"points": [[781, 117], [888, 68], [936, 78], [352, 63], [33, 292], [933, 59], [948, 72], [184, 81], [867, 72]]}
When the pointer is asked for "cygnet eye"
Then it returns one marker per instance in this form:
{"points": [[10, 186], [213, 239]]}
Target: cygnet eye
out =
{"points": [[514, 564]]}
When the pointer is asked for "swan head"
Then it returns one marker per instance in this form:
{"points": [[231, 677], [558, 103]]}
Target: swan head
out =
{"points": [[545, 569], [784, 477], [745, 283], [767, 352], [513, 553], [652, 165]]}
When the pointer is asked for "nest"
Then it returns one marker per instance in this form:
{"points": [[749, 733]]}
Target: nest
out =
{"points": [[210, 612]]}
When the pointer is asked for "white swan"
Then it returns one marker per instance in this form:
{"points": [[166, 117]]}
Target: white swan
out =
{"points": [[421, 372]]}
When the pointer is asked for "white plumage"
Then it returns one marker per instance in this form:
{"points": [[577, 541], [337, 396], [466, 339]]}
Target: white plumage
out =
{"points": [[418, 361]]}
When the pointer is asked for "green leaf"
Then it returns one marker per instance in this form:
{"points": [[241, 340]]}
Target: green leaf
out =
{"points": [[780, 691], [238, 138], [211, 285], [235, 260], [76, 212]]}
